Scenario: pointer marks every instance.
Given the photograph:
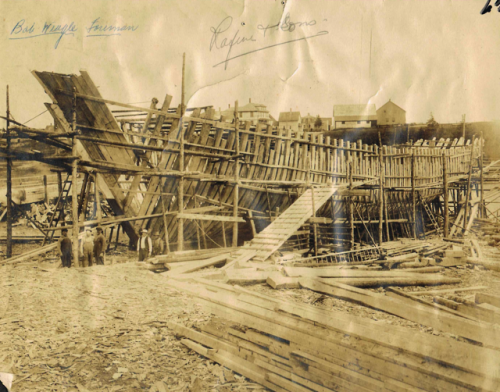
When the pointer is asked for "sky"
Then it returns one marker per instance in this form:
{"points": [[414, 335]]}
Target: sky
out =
{"points": [[425, 55]]}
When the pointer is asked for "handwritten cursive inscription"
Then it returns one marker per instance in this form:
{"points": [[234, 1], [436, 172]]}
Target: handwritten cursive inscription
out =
{"points": [[24, 31], [287, 25], [228, 43], [98, 30], [225, 39]]}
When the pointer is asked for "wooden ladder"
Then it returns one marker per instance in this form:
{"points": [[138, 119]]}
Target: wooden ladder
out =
{"points": [[59, 210], [429, 213]]}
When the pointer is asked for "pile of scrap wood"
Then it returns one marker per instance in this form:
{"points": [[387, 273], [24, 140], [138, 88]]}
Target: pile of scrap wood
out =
{"points": [[490, 227], [288, 346], [480, 258]]}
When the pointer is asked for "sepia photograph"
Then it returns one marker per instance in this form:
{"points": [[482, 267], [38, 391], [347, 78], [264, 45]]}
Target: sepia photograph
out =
{"points": [[249, 195]]}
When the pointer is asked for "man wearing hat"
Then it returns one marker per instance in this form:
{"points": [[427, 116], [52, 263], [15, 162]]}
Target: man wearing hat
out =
{"points": [[99, 247], [64, 250], [144, 246]]}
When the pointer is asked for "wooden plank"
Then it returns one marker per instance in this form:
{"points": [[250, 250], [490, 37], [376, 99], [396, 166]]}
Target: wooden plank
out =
{"points": [[293, 329], [327, 272], [422, 280], [246, 277], [484, 333], [216, 218], [446, 291], [197, 265], [392, 292], [278, 281], [234, 363], [483, 298]]}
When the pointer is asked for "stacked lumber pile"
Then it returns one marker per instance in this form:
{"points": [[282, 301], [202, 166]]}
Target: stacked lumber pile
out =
{"points": [[293, 347], [453, 257]]}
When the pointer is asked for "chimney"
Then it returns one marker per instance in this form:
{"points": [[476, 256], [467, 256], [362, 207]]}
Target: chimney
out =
{"points": [[229, 106], [249, 100]]}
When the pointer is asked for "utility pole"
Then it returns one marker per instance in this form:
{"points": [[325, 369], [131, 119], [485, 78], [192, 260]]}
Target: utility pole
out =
{"points": [[236, 193], [180, 190], [74, 186], [413, 195], [9, 183], [482, 206], [445, 196], [463, 127]]}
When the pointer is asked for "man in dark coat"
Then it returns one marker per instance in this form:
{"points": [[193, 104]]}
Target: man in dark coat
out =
{"points": [[99, 247], [144, 246], [64, 250]]}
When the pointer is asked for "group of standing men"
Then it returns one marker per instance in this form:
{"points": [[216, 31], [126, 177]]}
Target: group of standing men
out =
{"points": [[91, 248]]}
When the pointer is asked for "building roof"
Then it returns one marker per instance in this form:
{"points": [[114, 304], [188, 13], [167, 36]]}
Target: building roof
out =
{"points": [[388, 102], [289, 116], [249, 107], [252, 107], [354, 112]]}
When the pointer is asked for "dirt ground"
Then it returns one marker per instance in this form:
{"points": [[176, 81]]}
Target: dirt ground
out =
{"points": [[103, 328]]}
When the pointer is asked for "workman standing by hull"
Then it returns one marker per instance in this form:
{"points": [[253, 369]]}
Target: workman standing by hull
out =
{"points": [[64, 249], [144, 246], [87, 249], [99, 247]]}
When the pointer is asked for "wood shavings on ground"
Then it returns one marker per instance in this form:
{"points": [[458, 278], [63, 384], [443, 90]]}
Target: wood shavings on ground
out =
{"points": [[100, 329]]}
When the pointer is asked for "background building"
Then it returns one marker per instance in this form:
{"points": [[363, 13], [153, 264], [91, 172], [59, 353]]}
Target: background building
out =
{"points": [[308, 123], [355, 116], [251, 112], [290, 120], [390, 114]]}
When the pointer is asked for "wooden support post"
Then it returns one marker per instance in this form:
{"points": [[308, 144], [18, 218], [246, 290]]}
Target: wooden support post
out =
{"points": [[446, 196], [482, 207], [180, 187], [381, 194], [117, 236], [197, 224], [110, 238], [468, 190], [74, 186], [165, 226], [315, 225], [236, 174], [97, 198], [202, 225], [252, 223], [413, 196], [9, 183], [386, 200], [351, 205], [45, 190], [59, 183], [60, 187]]}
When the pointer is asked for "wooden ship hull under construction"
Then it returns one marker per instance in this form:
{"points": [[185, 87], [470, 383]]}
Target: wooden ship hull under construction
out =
{"points": [[194, 180]]}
